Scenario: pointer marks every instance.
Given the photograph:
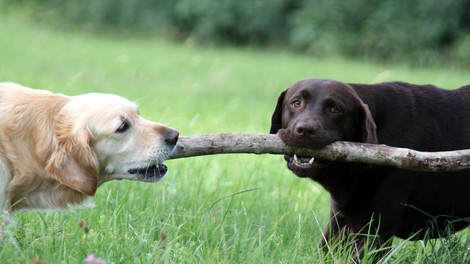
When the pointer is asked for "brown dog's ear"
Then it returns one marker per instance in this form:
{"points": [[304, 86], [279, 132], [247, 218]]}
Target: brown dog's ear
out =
{"points": [[276, 119], [368, 127], [73, 162]]}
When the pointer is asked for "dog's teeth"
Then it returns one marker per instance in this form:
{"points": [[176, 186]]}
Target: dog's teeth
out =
{"points": [[311, 160], [297, 160]]}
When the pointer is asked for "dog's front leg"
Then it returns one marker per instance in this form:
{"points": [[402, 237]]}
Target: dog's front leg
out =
{"points": [[335, 230]]}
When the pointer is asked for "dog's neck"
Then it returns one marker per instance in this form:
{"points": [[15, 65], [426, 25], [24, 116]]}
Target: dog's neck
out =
{"points": [[341, 185]]}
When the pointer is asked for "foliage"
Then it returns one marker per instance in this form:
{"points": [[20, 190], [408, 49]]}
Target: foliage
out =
{"points": [[414, 30], [245, 21], [392, 30]]}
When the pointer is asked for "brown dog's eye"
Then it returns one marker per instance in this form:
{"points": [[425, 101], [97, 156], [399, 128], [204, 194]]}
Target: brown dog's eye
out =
{"points": [[296, 104], [335, 110], [123, 127]]}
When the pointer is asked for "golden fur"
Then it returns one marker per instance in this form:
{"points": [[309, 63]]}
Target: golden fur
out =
{"points": [[55, 150]]}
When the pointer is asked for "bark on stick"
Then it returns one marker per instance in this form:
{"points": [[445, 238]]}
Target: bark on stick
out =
{"points": [[224, 143]]}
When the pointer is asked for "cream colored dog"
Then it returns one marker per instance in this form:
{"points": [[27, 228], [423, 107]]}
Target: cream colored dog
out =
{"points": [[56, 150]]}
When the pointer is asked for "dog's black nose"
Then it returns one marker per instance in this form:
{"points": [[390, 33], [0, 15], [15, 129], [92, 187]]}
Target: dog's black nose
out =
{"points": [[171, 137], [304, 128]]}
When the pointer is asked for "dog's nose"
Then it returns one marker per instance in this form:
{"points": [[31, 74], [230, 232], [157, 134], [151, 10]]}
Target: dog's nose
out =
{"points": [[305, 128], [171, 137]]}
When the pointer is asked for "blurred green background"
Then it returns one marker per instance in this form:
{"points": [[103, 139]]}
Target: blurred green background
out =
{"points": [[418, 32], [208, 67]]}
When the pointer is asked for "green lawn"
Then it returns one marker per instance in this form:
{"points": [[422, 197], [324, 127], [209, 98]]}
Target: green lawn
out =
{"points": [[213, 209]]}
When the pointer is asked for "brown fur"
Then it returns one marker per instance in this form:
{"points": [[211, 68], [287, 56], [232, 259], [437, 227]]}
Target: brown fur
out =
{"points": [[382, 201]]}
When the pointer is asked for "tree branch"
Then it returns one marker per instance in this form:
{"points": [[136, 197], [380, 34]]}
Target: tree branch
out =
{"points": [[199, 145]]}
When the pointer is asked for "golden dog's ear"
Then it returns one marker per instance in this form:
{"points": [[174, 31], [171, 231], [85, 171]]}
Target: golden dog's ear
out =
{"points": [[276, 119], [73, 162]]}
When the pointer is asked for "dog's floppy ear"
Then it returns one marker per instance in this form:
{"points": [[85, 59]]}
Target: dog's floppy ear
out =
{"points": [[276, 119], [73, 162], [368, 127]]}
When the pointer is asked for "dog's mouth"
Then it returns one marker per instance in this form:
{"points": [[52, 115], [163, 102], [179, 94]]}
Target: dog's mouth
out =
{"points": [[151, 173], [304, 166]]}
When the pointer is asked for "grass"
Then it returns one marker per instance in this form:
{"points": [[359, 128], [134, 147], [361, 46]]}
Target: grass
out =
{"points": [[218, 209]]}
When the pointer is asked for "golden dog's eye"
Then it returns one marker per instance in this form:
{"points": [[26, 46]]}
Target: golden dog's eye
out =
{"points": [[296, 104], [335, 110], [123, 127]]}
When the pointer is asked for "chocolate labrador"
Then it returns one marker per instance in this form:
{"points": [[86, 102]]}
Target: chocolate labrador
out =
{"points": [[375, 200]]}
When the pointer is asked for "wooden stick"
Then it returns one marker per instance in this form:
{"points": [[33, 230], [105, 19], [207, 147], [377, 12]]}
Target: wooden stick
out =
{"points": [[199, 145]]}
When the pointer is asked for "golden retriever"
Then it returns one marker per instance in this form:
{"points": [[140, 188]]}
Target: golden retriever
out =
{"points": [[56, 150]]}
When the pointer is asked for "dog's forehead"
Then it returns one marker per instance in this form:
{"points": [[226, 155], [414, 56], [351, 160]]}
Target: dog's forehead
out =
{"points": [[101, 113], [311, 86], [106, 101]]}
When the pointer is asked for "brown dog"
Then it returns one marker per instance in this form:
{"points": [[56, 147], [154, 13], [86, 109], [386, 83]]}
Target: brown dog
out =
{"points": [[379, 200]]}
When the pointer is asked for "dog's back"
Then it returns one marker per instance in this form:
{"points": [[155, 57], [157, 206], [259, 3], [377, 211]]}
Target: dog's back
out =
{"points": [[425, 118]]}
